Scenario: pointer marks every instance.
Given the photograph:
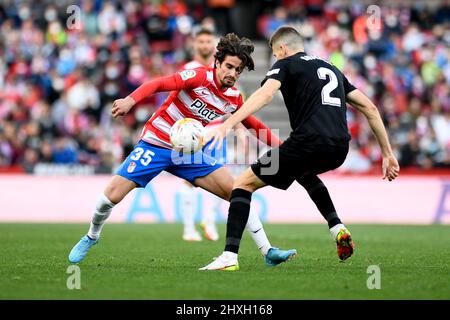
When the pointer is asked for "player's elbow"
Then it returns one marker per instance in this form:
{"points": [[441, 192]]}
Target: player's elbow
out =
{"points": [[371, 111], [266, 97]]}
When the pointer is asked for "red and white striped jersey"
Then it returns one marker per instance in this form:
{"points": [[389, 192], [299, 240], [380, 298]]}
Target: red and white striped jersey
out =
{"points": [[200, 99], [194, 64]]}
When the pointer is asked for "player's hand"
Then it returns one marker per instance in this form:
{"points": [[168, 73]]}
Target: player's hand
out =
{"points": [[390, 168], [216, 136], [122, 106]]}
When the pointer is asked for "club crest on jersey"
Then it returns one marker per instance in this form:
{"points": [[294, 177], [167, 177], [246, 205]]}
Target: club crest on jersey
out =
{"points": [[187, 74], [205, 113], [131, 167]]}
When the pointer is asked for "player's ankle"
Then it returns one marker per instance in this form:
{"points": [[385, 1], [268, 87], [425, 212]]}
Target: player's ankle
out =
{"points": [[335, 230], [230, 255]]}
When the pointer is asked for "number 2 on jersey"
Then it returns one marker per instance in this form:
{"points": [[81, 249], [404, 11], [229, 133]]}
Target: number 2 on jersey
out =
{"points": [[329, 87]]}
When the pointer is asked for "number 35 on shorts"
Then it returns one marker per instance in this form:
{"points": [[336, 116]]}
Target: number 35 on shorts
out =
{"points": [[145, 156]]}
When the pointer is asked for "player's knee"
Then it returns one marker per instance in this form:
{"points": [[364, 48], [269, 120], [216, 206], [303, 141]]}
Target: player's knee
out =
{"points": [[248, 181], [113, 193], [226, 190], [244, 184], [227, 194]]}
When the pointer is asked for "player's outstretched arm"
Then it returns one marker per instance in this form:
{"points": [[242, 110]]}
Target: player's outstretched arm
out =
{"points": [[186, 79], [361, 102], [256, 101], [122, 106]]}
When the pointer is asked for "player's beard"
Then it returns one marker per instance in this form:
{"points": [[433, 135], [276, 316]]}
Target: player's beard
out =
{"points": [[228, 82]]}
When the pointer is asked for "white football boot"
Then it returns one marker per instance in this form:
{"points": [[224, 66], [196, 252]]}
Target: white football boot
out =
{"points": [[227, 261]]}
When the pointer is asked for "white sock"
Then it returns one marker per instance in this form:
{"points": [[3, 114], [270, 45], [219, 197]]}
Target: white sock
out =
{"points": [[101, 213], [335, 230], [256, 230], [209, 216], [187, 194]]}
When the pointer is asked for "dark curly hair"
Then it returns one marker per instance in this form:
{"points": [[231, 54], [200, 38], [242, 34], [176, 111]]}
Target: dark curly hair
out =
{"points": [[232, 45]]}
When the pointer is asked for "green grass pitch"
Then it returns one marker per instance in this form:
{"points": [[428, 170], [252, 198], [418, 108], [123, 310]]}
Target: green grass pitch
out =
{"points": [[150, 261]]}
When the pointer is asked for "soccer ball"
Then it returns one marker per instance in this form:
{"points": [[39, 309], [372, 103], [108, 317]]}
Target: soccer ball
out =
{"points": [[186, 135]]}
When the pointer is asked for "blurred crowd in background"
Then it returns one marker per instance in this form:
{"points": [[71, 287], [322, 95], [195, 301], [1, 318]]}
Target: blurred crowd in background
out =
{"points": [[402, 64], [59, 76]]}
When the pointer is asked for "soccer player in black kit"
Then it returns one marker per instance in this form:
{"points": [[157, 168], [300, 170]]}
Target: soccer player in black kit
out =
{"points": [[315, 93]]}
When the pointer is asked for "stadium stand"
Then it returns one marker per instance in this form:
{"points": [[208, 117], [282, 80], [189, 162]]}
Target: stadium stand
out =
{"points": [[57, 82]]}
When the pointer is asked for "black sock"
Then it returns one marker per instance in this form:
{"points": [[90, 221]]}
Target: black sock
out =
{"points": [[237, 218], [319, 194]]}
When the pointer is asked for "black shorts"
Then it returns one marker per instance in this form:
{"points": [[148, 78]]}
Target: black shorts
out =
{"points": [[280, 166]]}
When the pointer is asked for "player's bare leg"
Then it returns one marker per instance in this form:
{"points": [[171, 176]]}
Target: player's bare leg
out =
{"points": [[248, 181], [220, 182], [118, 188], [243, 188], [115, 191]]}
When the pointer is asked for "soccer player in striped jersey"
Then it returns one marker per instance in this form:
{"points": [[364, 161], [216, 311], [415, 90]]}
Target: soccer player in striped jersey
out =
{"points": [[205, 94]]}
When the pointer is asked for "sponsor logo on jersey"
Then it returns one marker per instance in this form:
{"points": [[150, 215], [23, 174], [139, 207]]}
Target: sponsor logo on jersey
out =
{"points": [[131, 167], [187, 74], [202, 92], [201, 109], [274, 71]]}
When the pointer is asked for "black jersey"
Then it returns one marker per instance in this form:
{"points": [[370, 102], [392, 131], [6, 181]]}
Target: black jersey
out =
{"points": [[314, 92]]}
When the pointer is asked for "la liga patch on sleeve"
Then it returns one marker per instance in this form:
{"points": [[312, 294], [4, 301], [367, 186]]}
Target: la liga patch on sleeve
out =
{"points": [[187, 74]]}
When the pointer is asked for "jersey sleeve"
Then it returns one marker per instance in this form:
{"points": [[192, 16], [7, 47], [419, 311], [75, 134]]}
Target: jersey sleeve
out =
{"points": [[191, 78], [186, 79], [261, 131], [278, 71], [348, 87]]}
